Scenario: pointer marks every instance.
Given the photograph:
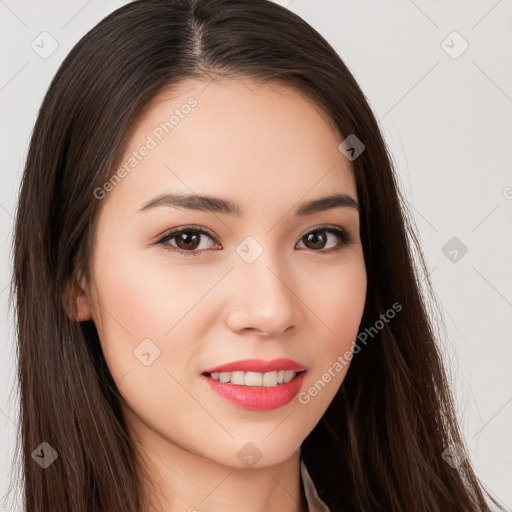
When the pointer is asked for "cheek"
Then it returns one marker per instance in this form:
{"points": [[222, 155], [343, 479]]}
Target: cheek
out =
{"points": [[339, 311], [143, 299], [344, 309], [148, 298], [338, 302]]}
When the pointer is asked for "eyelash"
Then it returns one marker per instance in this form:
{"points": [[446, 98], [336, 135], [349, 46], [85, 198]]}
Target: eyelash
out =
{"points": [[343, 236]]}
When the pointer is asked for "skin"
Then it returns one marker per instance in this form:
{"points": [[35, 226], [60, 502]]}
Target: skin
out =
{"points": [[267, 148]]}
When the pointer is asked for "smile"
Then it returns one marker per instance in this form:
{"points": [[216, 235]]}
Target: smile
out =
{"points": [[259, 391], [255, 379]]}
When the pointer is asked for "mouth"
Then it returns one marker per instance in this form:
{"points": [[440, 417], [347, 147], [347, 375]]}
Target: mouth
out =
{"points": [[254, 390], [255, 379]]}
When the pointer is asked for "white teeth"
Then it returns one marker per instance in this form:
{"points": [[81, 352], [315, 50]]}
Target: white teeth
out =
{"points": [[288, 375], [225, 376], [255, 379], [270, 379], [237, 378]]}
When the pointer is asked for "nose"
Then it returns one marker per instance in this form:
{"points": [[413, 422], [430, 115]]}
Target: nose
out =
{"points": [[262, 299]]}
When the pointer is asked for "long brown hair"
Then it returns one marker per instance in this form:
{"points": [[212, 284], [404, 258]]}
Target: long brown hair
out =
{"points": [[380, 444]]}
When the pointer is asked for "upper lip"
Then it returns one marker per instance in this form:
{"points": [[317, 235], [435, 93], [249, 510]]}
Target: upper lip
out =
{"points": [[259, 365]]}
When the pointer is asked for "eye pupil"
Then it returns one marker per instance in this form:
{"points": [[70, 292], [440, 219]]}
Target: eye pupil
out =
{"points": [[316, 235], [187, 238]]}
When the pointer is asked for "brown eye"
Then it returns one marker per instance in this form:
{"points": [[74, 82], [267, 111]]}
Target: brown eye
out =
{"points": [[318, 239], [188, 241]]}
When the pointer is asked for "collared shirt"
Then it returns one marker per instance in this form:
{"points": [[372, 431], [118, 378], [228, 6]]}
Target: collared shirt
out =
{"points": [[315, 503]]}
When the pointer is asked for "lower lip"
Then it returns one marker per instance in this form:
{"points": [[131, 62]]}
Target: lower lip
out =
{"points": [[257, 398]]}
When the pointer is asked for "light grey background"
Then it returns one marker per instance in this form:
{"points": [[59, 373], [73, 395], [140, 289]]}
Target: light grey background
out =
{"points": [[447, 120]]}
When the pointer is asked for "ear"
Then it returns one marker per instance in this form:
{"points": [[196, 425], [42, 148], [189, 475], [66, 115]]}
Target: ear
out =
{"points": [[77, 301]]}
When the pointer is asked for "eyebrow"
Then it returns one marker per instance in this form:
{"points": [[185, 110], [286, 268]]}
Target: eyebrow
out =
{"points": [[214, 204]]}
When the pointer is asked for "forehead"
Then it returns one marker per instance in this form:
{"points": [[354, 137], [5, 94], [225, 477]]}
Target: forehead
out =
{"points": [[260, 143]]}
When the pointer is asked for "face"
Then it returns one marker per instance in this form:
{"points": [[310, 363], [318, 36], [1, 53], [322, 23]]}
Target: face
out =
{"points": [[265, 282]]}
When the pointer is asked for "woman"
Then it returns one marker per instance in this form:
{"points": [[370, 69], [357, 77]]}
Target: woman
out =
{"points": [[217, 306]]}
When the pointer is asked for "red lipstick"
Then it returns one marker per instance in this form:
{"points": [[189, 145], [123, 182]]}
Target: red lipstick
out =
{"points": [[257, 398]]}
